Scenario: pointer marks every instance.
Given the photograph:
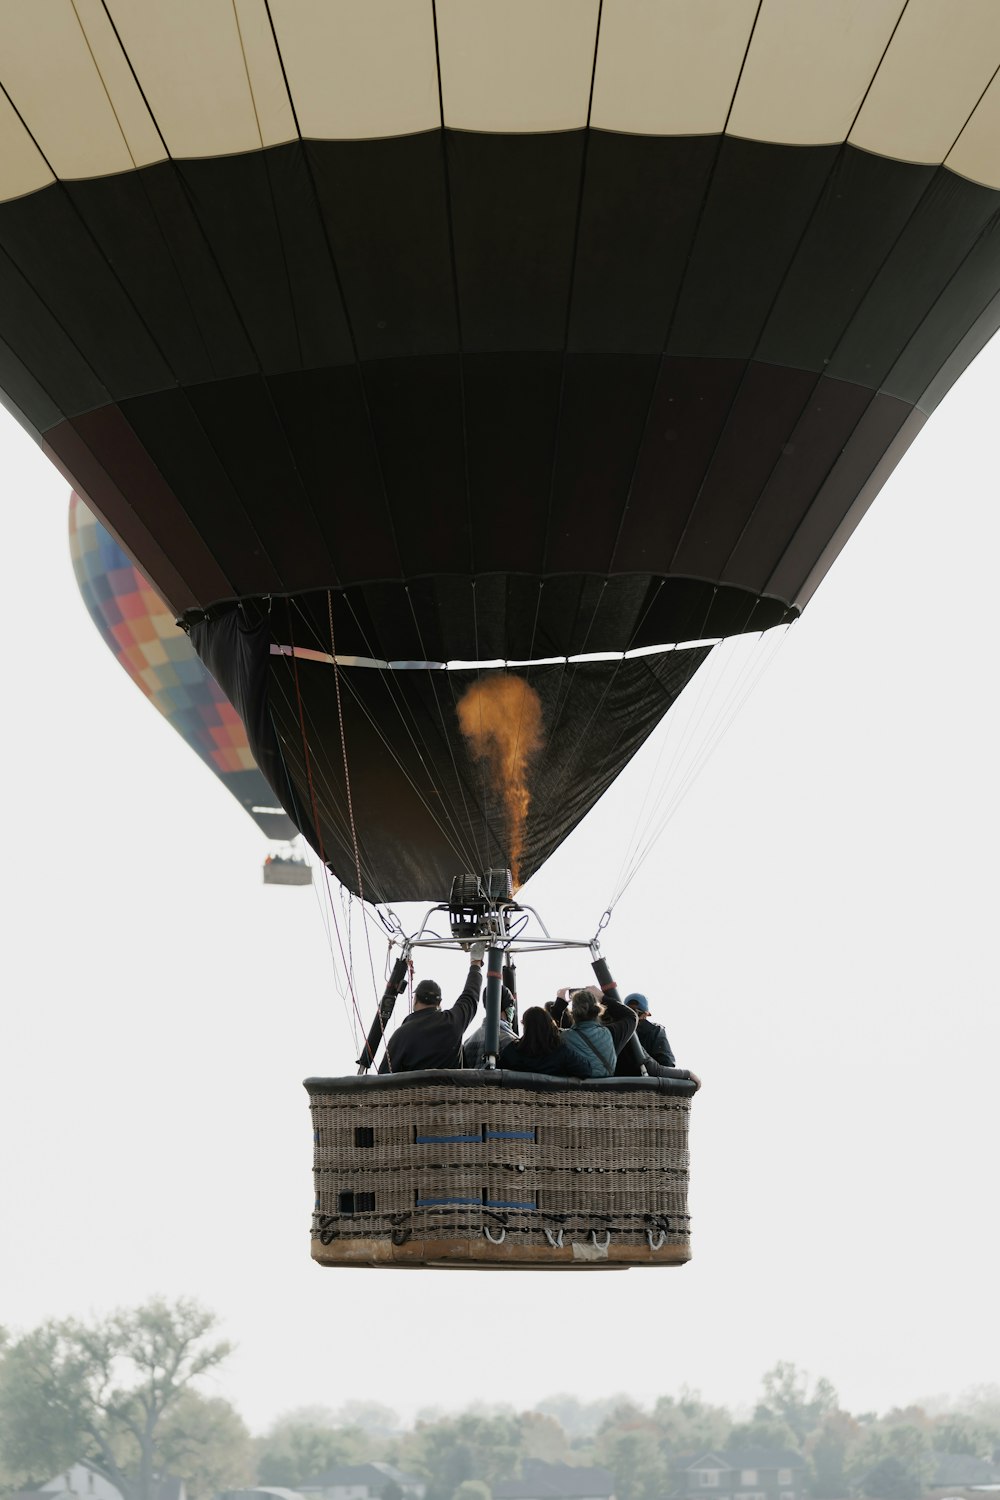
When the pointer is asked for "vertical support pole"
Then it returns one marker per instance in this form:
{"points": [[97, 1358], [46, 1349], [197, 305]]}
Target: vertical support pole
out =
{"points": [[510, 980], [494, 985], [632, 1049], [387, 1004]]}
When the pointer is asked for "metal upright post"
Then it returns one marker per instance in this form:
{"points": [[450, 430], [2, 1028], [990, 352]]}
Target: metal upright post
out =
{"points": [[494, 985], [510, 980], [632, 1049], [397, 980]]}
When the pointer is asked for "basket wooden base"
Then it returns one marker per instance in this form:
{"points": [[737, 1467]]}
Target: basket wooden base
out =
{"points": [[481, 1255]]}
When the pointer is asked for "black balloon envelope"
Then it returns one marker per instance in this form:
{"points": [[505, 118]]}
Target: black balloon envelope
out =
{"points": [[386, 335]]}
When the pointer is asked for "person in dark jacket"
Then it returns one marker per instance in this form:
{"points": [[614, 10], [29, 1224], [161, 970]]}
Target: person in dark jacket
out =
{"points": [[542, 1049], [652, 1036], [429, 1036], [656, 1053], [474, 1046]]}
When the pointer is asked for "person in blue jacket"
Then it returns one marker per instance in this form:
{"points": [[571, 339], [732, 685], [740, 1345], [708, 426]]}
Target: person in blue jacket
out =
{"points": [[600, 1029]]}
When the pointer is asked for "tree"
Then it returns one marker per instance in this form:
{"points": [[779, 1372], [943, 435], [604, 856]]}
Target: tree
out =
{"points": [[892, 1460], [889, 1479], [687, 1424], [369, 1416], [542, 1437], [762, 1432], [473, 1489], [827, 1451], [633, 1455], [954, 1434], [304, 1444], [205, 1442], [40, 1411], [100, 1391], [580, 1419], [786, 1399], [469, 1446]]}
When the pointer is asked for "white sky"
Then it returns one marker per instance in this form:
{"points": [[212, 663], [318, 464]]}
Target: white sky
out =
{"points": [[818, 923]]}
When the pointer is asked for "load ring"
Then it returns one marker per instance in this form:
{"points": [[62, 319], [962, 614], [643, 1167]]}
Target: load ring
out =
{"points": [[495, 1239], [555, 1240], [601, 1244], [655, 1244]]}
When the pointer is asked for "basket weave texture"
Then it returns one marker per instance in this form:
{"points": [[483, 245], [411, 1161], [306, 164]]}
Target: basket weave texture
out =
{"points": [[405, 1169]]}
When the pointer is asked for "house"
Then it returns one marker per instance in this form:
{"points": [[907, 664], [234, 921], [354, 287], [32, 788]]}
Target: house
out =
{"points": [[952, 1473], [543, 1481], [82, 1481], [363, 1482], [259, 1492], [742, 1474]]}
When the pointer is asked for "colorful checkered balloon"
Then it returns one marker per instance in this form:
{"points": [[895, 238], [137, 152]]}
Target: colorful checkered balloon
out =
{"points": [[139, 628]]}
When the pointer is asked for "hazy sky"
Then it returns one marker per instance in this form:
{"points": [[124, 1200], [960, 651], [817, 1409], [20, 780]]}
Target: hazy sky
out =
{"points": [[818, 924]]}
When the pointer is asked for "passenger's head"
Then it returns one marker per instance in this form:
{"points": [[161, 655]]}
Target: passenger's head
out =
{"points": [[638, 1003], [586, 1005], [538, 1030], [427, 994], [508, 1012]]}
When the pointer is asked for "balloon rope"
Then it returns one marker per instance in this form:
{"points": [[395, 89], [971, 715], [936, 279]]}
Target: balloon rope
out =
{"points": [[409, 724], [343, 746], [403, 769], [452, 833], [324, 907], [479, 696], [725, 705], [469, 827], [317, 824], [347, 778]]}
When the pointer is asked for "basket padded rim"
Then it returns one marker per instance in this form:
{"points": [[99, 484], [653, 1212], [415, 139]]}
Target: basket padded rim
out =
{"points": [[682, 1085]]}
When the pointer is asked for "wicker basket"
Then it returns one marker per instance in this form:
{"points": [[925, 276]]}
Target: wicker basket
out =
{"points": [[500, 1169], [287, 872]]}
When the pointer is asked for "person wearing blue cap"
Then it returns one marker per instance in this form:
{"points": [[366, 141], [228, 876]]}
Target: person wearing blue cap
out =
{"points": [[652, 1037]]}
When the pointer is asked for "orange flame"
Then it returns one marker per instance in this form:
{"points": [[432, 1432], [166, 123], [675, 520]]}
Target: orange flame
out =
{"points": [[501, 717]]}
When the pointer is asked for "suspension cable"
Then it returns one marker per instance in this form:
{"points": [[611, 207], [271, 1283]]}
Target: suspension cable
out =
{"points": [[669, 797], [317, 824], [347, 784], [452, 834]]}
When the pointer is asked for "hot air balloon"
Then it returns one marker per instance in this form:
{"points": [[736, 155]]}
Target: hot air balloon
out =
{"points": [[140, 631], [461, 370]]}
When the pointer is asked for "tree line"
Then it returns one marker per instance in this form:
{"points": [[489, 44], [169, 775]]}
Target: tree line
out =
{"points": [[122, 1394]]}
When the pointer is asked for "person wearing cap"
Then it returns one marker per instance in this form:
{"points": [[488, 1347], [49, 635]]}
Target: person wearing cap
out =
{"points": [[430, 1037], [652, 1037]]}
